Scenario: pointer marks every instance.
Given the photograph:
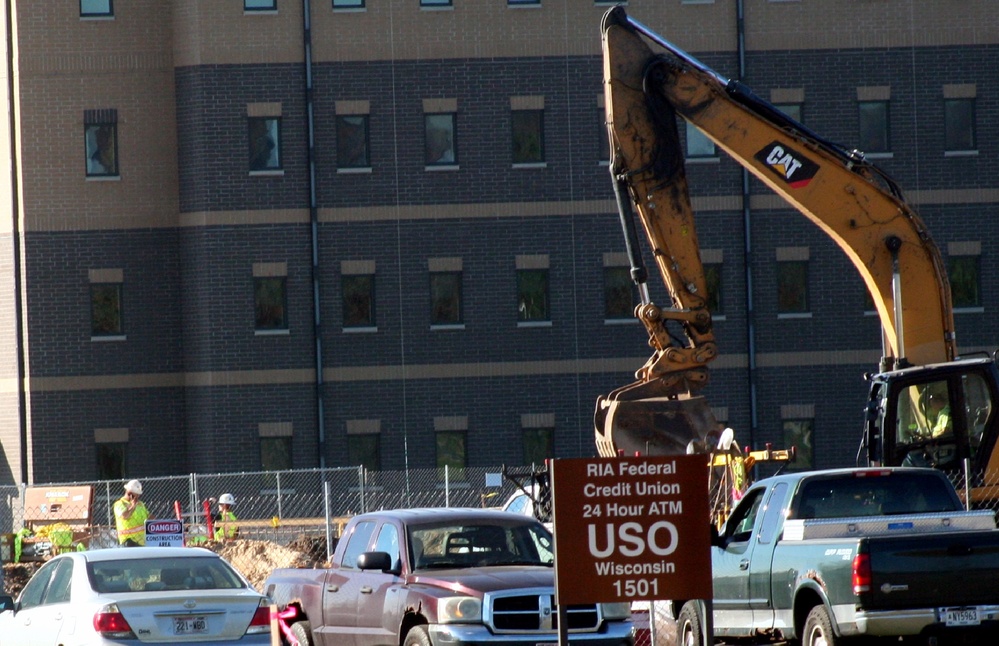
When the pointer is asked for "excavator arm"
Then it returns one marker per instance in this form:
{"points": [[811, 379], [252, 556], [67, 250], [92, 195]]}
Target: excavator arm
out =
{"points": [[856, 205]]}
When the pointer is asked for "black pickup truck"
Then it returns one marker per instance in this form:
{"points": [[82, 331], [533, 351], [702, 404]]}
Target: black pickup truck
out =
{"points": [[824, 557]]}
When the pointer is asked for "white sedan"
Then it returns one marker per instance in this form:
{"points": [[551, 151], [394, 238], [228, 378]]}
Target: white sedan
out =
{"points": [[136, 595]]}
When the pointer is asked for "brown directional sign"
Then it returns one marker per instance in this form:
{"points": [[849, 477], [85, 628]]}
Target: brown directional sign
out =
{"points": [[631, 529]]}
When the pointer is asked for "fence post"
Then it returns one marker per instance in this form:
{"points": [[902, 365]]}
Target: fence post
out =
{"points": [[362, 474], [107, 492], [329, 519], [967, 484], [447, 487], [192, 489], [278, 482]]}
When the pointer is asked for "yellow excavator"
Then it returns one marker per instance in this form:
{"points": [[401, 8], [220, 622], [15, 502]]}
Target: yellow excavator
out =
{"points": [[648, 82]]}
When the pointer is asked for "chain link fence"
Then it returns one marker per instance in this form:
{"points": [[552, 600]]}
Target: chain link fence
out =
{"points": [[283, 507]]}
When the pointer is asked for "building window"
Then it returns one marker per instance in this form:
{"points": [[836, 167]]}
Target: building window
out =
{"points": [[260, 5], [798, 433], [532, 295], [792, 110], [620, 293], [792, 286], [451, 453], [959, 124], [111, 460], [440, 141], [873, 132], [445, 298], [271, 302], [435, 3], [528, 136], [358, 300], [92, 8], [352, 141], [275, 453], [698, 144], [965, 282], [348, 4], [539, 445], [365, 450], [265, 143], [523, 2], [106, 310], [101, 142], [713, 282]]}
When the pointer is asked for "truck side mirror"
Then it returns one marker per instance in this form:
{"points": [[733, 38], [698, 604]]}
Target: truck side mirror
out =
{"points": [[716, 540], [375, 561]]}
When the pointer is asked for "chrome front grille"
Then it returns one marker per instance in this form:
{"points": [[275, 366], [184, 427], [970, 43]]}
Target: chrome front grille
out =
{"points": [[534, 610]]}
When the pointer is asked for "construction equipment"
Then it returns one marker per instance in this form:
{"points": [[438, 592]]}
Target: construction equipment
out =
{"points": [[847, 197]]}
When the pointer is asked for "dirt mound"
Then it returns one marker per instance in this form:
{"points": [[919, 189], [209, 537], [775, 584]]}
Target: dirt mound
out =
{"points": [[16, 575], [257, 559]]}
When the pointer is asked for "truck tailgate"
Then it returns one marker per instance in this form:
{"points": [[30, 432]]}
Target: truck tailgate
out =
{"points": [[927, 570]]}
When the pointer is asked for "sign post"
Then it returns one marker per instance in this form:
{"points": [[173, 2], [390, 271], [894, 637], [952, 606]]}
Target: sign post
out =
{"points": [[631, 529]]}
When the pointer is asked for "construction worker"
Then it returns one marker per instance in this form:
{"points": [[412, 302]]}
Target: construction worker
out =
{"points": [[939, 414], [226, 528], [130, 515]]}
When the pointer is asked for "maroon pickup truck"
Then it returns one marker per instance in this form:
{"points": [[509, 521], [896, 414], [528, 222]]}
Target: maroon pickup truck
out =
{"points": [[426, 577]]}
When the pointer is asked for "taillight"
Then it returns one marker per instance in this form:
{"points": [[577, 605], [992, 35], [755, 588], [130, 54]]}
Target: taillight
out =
{"points": [[261, 622], [861, 573], [111, 624]]}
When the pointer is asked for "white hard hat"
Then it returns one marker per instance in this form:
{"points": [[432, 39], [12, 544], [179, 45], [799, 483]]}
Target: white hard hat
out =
{"points": [[134, 486], [227, 499]]}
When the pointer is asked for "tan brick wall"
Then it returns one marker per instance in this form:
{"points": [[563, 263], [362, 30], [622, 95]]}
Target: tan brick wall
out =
{"points": [[833, 24], [125, 64], [219, 32]]}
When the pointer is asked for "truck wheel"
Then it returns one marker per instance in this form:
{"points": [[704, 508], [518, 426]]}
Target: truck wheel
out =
{"points": [[417, 636], [302, 630], [818, 629], [688, 626]]}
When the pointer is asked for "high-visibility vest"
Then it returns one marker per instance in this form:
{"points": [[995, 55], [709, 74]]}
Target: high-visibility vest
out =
{"points": [[133, 527], [225, 526]]}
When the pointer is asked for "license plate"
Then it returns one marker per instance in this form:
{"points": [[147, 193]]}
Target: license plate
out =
{"points": [[961, 616], [189, 625]]}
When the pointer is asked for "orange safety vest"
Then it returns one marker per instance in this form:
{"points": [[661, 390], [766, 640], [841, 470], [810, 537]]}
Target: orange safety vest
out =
{"points": [[133, 527]]}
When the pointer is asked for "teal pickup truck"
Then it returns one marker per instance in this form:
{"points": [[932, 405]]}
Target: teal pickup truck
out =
{"points": [[838, 556]]}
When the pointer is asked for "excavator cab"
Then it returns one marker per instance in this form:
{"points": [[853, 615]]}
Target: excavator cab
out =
{"points": [[937, 416]]}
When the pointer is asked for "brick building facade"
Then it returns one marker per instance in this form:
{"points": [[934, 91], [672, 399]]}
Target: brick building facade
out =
{"points": [[137, 333]]}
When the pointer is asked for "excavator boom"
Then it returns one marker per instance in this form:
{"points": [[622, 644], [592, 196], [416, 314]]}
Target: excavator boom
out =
{"points": [[648, 82]]}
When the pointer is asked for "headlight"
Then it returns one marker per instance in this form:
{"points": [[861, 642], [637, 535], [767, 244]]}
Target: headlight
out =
{"points": [[459, 610], [616, 611]]}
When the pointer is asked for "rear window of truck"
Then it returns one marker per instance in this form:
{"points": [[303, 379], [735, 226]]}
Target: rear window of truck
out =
{"points": [[876, 495]]}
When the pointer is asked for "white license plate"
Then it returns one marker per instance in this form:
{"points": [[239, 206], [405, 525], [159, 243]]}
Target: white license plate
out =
{"points": [[189, 625], [961, 616]]}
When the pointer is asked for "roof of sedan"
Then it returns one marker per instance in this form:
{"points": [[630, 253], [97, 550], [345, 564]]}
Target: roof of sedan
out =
{"points": [[125, 553], [448, 514]]}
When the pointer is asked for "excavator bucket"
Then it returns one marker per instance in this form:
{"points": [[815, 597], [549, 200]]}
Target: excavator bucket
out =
{"points": [[654, 426]]}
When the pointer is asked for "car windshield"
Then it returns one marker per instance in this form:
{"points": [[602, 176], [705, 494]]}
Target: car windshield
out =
{"points": [[174, 573], [479, 544]]}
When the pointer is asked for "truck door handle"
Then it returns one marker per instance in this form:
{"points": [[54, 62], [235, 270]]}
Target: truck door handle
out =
{"points": [[366, 590], [744, 564], [332, 588]]}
